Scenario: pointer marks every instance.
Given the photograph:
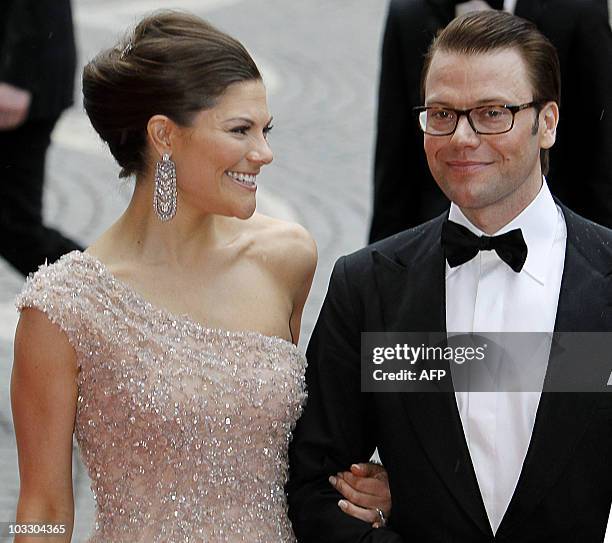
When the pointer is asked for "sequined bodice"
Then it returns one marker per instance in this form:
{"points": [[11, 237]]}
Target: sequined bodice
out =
{"points": [[184, 430]]}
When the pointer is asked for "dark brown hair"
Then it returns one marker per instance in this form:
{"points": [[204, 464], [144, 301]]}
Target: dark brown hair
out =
{"points": [[173, 64], [486, 31]]}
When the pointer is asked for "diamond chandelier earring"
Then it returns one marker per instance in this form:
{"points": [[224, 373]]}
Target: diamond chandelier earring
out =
{"points": [[164, 196]]}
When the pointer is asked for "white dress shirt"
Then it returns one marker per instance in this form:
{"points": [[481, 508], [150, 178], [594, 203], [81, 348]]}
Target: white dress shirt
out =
{"points": [[480, 5], [509, 5], [485, 295]]}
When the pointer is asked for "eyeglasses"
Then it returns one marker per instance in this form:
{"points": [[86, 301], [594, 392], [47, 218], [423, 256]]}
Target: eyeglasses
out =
{"points": [[494, 119]]}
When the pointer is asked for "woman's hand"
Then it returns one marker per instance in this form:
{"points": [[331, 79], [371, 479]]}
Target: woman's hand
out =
{"points": [[366, 489]]}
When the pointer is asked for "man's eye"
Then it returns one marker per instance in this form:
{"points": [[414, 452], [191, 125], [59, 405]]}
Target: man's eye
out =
{"points": [[495, 113], [442, 114]]}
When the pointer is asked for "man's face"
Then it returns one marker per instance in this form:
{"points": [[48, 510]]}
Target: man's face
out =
{"points": [[486, 172]]}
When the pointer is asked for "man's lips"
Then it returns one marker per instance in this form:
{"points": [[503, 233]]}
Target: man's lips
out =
{"points": [[467, 163], [467, 166]]}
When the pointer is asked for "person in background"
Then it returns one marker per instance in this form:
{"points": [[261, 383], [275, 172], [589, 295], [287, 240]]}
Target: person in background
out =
{"points": [[37, 68], [405, 193]]}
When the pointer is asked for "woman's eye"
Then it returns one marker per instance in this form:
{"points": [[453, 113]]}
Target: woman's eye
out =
{"points": [[244, 130], [267, 130]]}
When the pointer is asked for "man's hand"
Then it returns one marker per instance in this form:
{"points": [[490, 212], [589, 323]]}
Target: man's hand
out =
{"points": [[366, 489], [14, 106]]}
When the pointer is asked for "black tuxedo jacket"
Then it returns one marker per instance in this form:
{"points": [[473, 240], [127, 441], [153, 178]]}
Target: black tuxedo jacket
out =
{"points": [[565, 488], [37, 53], [405, 193]]}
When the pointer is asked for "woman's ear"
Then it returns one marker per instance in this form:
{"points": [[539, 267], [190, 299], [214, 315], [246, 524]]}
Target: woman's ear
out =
{"points": [[161, 130]]}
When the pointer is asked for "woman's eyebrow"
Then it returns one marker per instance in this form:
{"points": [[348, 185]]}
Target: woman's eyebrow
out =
{"points": [[246, 120]]}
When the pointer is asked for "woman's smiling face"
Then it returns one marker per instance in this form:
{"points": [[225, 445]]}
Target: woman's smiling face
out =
{"points": [[219, 156]]}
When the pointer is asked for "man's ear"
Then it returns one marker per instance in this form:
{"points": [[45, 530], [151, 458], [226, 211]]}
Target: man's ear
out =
{"points": [[161, 130], [549, 119]]}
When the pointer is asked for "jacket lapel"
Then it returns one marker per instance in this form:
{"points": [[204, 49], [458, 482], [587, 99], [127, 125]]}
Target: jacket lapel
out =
{"points": [[411, 285], [562, 417]]}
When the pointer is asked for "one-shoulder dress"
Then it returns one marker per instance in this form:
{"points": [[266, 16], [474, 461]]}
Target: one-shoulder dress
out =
{"points": [[183, 429]]}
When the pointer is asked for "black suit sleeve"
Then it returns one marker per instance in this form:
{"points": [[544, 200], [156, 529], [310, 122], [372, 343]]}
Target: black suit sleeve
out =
{"points": [[580, 172], [38, 53], [405, 193], [337, 427], [592, 116], [392, 201]]}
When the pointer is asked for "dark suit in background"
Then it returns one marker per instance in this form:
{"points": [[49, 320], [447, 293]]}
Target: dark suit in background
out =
{"points": [[565, 488], [37, 53], [405, 193]]}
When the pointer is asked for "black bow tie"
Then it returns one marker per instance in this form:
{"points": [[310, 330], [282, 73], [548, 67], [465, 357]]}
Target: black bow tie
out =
{"points": [[461, 245]]}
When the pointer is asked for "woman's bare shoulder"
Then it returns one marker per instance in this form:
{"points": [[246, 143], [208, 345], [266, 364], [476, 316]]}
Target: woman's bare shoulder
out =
{"points": [[282, 242]]}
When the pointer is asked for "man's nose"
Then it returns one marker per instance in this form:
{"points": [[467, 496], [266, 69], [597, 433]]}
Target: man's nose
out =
{"points": [[464, 133]]}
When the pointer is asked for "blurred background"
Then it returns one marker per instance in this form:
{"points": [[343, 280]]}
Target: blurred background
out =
{"points": [[320, 61]]}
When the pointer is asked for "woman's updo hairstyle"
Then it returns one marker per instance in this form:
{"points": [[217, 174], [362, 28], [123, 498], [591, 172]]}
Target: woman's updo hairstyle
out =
{"points": [[173, 64]]}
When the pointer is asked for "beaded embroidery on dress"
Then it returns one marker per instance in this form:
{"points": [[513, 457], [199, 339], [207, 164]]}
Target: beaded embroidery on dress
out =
{"points": [[184, 430]]}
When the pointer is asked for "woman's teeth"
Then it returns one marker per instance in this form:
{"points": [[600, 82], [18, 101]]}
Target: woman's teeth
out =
{"points": [[243, 178]]}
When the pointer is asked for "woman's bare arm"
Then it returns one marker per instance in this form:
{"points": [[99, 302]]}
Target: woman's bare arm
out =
{"points": [[44, 399], [308, 266]]}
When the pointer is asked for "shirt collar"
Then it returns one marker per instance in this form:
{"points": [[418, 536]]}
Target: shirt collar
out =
{"points": [[510, 5], [538, 222]]}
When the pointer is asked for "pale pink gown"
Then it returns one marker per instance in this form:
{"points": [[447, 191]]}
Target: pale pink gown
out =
{"points": [[183, 429]]}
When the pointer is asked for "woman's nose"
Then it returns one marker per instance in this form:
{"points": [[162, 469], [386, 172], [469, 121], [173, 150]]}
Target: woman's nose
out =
{"points": [[262, 154]]}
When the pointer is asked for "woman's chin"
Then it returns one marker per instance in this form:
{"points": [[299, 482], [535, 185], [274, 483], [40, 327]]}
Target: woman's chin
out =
{"points": [[245, 212]]}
